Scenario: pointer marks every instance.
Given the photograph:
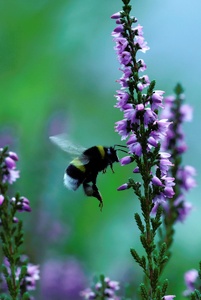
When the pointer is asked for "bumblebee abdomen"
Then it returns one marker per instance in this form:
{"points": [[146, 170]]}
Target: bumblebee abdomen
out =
{"points": [[74, 175]]}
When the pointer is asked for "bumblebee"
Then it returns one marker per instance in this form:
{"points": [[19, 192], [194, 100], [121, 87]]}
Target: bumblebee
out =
{"points": [[83, 170]]}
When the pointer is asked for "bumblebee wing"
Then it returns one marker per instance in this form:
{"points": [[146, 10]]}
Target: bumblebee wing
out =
{"points": [[66, 145], [81, 160]]}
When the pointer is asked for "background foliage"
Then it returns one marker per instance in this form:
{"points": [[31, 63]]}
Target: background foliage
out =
{"points": [[57, 73]]}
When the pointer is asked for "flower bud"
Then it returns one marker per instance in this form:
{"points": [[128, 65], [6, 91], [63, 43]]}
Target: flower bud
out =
{"points": [[123, 187]]}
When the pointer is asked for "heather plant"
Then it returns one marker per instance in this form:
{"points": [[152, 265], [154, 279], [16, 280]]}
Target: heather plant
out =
{"points": [[152, 129], [18, 275]]}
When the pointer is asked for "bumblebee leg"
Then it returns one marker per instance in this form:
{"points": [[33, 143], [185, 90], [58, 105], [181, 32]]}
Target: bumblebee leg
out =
{"points": [[97, 195], [111, 168], [92, 191]]}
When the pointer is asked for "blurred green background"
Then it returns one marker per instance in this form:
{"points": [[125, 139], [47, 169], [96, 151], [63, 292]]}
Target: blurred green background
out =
{"points": [[57, 72]]}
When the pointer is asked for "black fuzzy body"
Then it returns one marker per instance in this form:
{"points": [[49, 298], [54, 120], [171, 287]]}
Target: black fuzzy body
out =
{"points": [[85, 168]]}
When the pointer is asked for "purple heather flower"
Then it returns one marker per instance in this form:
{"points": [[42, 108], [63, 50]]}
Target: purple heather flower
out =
{"points": [[164, 163], [1, 199], [152, 142], [22, 205], [125, 160], [190, 278], [138, 30], [121, 128], [136, 170], [136, 148], [122, 99], [141, 43], [116, 15], [161, 129], [123, 187], [149, 116], [168, 192], [121, 44], [156, 99], [131, 115], [156, 181], [119, 28], [125, 58], [142, 65], [144, 82]]}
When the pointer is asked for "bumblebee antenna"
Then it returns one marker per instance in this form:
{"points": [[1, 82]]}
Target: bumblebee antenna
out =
{"points": [[120, 146], [122, 150]]}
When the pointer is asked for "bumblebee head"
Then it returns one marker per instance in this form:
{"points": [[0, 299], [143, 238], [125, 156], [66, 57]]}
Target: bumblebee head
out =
{"points": [[112, 153]]}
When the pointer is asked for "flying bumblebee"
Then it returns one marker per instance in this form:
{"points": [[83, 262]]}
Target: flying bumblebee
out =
{"points": [[83, 170]]}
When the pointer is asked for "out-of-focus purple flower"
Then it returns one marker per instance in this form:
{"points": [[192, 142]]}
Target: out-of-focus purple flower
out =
{"points": [[99, 291], [169, 297], [183, 210], [114, 285], [62, 279], [88, 294], [190, 278], [10, 163], [174, 142], [13, 155], [186, 113], [10, 174], [31, 277], [1, 199], [186, 176]]}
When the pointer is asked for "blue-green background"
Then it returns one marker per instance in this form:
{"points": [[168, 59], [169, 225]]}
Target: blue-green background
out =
{"points": [[57, 73]]}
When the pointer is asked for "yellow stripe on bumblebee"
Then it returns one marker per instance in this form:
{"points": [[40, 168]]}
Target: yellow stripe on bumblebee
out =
{"points": [[78, 164], [102, 151]]}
